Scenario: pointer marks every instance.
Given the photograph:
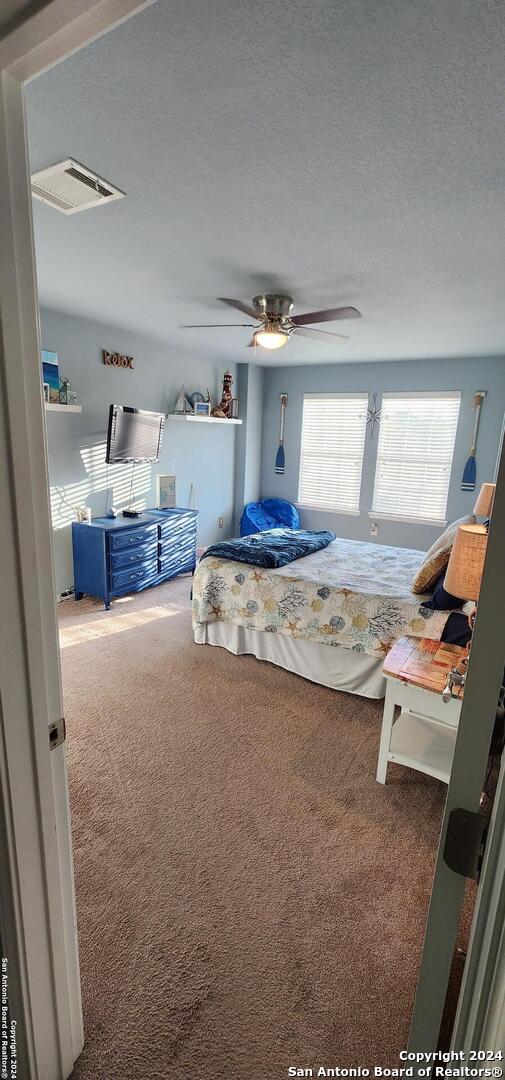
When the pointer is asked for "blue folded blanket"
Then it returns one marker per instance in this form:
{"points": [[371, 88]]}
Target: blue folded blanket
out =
{"points": [[275, 547]]}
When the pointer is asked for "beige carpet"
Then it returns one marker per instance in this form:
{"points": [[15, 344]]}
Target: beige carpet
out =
{"points": [[248, 896]]}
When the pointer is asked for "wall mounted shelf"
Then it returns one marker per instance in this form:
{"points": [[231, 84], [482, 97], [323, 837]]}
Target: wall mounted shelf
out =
{"points": [[51, 406], [201, 419]]}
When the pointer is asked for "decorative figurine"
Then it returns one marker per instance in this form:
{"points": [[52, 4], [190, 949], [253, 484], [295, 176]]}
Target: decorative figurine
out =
{"points": [[223, 410], [182, 404], [67, 395], [373, 416]]}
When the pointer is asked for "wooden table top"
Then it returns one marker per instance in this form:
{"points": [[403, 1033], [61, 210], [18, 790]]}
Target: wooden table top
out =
{"points": [[423, 662]]}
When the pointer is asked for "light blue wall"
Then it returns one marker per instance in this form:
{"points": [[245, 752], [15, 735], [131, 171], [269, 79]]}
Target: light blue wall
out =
{"points": [[468, 376], [202, 455], [232, 466], [249, 438]]}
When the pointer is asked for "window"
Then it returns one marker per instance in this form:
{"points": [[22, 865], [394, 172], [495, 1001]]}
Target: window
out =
{"points": [[414, 457], [333, 440]]}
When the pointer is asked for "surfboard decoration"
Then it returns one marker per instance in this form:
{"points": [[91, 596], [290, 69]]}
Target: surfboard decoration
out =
{"points": [[280, 459], [470, 473]]}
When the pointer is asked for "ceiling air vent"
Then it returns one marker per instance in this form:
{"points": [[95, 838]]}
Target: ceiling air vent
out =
{"points": [[70, 187]]}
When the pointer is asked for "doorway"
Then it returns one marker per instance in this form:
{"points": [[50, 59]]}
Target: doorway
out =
{"points": [[32, 543]]}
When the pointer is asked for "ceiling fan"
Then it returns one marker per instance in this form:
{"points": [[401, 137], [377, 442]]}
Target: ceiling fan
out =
{"points": [[275, 324]]}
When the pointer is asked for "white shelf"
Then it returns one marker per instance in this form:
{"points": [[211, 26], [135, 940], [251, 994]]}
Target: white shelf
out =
{"points": [[424, 744], [194, 419], [51, 406]]}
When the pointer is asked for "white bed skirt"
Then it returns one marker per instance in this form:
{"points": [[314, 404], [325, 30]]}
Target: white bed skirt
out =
{"points": [[338, 668]]}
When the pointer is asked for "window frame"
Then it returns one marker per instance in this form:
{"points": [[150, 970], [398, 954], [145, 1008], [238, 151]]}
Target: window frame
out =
{"points": [[347, 395], [382, 515]]}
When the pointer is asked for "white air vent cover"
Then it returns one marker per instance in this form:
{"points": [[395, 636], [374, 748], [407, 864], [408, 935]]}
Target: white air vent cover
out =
{"points": [[70, 187]]}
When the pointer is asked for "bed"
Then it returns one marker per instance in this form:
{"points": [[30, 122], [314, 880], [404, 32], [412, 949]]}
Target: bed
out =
{"points": [[330, 616]]}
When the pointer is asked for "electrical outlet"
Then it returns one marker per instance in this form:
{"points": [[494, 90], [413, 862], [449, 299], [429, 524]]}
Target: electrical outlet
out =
{"points": [[220, 522], [374, 529]]}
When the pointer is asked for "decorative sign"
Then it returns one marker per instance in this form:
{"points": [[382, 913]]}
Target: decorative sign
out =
{"points": [[116, 359], [165, 492], [373, 416]]}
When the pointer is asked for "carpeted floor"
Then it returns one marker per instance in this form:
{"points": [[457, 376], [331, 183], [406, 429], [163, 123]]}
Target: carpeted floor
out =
{"points": [[249, 898]]}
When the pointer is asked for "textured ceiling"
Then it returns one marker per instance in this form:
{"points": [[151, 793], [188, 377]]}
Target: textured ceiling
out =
{"points": [[345, 152]]}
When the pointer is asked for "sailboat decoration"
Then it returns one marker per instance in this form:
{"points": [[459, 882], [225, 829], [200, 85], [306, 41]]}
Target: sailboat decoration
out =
{"points": [[280, 459], [470, 473]]}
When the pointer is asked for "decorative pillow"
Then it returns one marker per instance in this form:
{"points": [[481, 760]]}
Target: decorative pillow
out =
{"points": [[438, 556], [441, 600]]}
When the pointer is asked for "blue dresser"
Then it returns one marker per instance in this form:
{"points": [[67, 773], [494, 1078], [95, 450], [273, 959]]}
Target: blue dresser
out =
{"points": [[115, 556]]}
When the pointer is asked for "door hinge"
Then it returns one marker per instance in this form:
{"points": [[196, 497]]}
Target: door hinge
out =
{"points": [[465, 842], [57, 733]]}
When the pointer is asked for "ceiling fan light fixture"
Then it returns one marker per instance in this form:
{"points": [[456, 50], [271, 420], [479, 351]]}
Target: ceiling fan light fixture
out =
{"points": [[271, 337]]}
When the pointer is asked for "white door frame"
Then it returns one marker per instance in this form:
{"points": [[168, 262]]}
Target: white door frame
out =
{"points": [[37, 911], [37, 914], [485, 671], [480, 1019]]}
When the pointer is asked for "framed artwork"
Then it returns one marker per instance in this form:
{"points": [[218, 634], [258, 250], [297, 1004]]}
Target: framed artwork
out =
{"points": [[165, 492], [51, 376], [202, 408]]}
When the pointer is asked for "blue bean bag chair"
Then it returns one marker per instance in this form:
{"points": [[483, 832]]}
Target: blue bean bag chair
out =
{"points": [[268, 514]]}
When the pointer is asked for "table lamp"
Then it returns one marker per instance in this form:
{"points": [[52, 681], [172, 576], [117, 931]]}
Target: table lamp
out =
{"points": [[463, 577], [485, 499]]}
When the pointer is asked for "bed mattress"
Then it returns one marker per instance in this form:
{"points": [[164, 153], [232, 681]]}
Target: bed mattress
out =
{"points": [[351, 594]]}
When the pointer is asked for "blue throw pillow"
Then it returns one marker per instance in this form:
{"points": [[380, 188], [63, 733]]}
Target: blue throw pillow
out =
{"points": [[440, 599]]}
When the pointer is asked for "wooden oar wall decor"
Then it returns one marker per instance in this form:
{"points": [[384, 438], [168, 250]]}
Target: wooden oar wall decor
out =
{"points": [[280, 459], [470, 473]]}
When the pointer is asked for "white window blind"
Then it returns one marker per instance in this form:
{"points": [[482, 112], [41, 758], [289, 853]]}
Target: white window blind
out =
{"points": [[414, 457], [333, 440]]}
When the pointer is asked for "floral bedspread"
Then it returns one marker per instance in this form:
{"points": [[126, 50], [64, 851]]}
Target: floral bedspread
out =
{"points": [[349, 594]]}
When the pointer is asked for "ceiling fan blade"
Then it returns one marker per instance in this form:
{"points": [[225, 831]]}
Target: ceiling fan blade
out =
{"points": [[330, 315], [246, 309], [311, 332], [205, 326]]}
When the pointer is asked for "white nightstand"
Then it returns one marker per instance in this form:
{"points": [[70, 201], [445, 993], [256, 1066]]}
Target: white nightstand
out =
{"points": [[423, 735]]}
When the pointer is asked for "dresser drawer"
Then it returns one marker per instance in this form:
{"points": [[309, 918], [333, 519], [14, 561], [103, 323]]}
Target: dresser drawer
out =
{"points": [[180, 559], [128, 538], [123, 579], [169, 542], [123, 559], [178, 523]]}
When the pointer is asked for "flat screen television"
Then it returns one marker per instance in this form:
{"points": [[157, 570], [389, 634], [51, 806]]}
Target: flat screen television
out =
{"points": [[134, 435]]}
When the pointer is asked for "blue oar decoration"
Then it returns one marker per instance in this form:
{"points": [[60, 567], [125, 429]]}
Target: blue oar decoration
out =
{"points": [[470, 473], [280, 459]]}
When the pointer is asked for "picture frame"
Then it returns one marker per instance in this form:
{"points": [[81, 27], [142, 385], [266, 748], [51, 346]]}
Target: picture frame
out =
{"points": [[201, 408], [166, 492], [51, 375]]}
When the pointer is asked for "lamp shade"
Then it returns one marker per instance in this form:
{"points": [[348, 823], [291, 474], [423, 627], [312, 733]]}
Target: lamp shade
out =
{"points": [[272, 336], [464, 571], [485, 499]]}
